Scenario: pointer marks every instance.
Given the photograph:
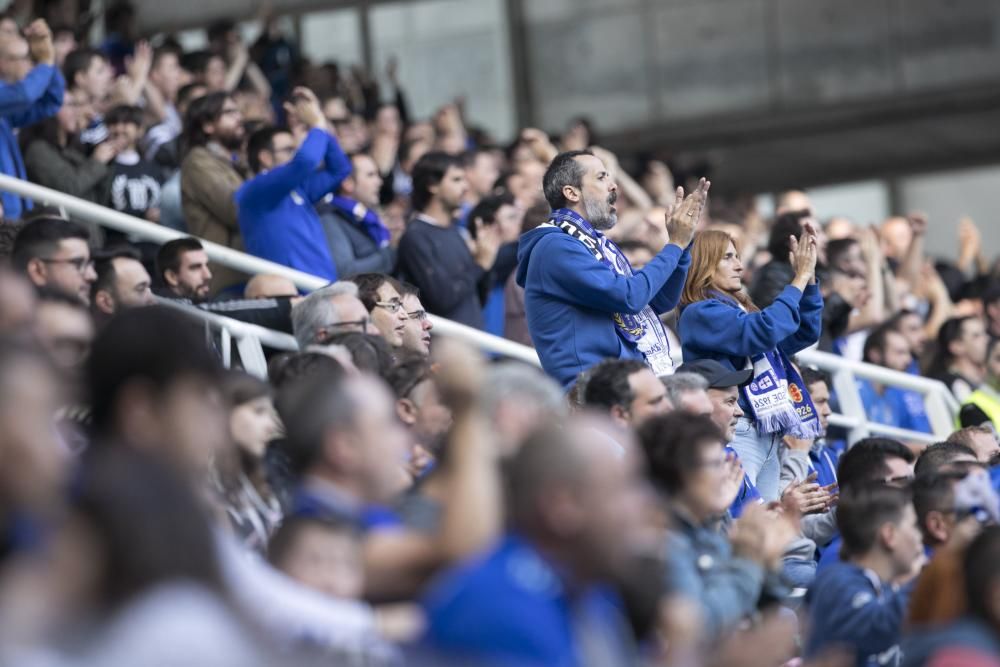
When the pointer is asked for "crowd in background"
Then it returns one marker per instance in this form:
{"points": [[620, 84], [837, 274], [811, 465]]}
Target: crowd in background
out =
{"points": [[386, 498]]}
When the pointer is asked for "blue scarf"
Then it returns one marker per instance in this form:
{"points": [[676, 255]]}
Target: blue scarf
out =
{"points": [[643, 330], [778, 398], [363, 218]]}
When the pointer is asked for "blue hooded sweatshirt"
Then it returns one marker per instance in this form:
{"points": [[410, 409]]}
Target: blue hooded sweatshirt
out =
{"points": [[36, 97], [570, 298]]}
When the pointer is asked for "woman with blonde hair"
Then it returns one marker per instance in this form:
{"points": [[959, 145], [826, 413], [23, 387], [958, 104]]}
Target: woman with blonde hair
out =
{"points": [[719, 321]]}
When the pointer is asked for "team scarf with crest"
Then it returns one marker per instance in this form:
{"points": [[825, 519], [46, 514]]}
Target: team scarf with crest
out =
{"points": [[779, 399], [643, 330], [363, 217]]}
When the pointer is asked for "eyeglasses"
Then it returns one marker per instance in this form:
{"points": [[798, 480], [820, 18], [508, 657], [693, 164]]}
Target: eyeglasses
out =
{"points": [[392, 306], [81, 264], [420, 315]]}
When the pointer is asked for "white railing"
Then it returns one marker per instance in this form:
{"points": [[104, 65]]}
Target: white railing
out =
{"points": [[250, 339], [941, 406], [86, 211]]}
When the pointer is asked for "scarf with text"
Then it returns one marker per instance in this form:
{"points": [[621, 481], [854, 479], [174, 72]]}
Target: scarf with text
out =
{"points": [[643, 330]]}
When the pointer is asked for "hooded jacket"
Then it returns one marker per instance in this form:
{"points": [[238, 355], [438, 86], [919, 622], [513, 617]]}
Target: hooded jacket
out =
{"points": [[570, 299]]}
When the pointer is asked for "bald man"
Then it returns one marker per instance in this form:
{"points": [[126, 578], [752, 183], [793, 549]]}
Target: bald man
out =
{"points": [[268, 286]]}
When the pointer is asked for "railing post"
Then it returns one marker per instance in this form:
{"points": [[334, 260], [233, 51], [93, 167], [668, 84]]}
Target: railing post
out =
{"points": [[226, 343], [850, 403], [252, 356]]}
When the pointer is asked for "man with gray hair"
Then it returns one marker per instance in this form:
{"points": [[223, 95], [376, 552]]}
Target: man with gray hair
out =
{"points": [[518, 399], [688, 392], [332, 310], [584, 302]]}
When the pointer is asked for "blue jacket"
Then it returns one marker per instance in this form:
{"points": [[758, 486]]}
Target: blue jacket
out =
{"points": [[570, 297], [701, 567], [276, 213], [718, 329], [894, 407], [32, 99], [849, 606], [510, 607]]}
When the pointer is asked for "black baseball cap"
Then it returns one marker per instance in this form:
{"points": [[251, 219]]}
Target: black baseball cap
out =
{"points": [[718, 376]]}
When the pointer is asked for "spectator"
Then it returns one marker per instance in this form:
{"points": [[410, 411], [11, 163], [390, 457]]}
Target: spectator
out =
{"points": [[213, 134], [982, 440], [515, 318], [960, 356], [945, 457], [241, 477], [28, 95], [350, 460], [329, 311], [628, 390], [688, 392], [359, 241], [369, 353], [910, 325], [718, 321], [972, 639], [869, 461], [135, 183], [991, 306], [267, 286], [433, 255], [481, 172], [687, 462], [122, 282], [934, 503], [723, 392], [52, 161], [183, 270], [779, 272], [499, 211], [802, 458], [64, 329], [582, 300], [382, 299], [34, 487], [419, 407], [856, 602], [892, 406], [55, 253], [168, 155], [276, 207], [18, 302], [64, 42], [88, 79], [983, 405], [418, 327], [530, 624], [323, 554], [166, 78]]}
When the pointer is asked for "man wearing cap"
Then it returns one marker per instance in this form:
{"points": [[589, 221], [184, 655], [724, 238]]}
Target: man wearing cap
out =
{"points": [[723, 391]]}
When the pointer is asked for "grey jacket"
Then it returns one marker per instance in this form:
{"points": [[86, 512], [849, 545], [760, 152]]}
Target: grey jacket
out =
{"points": [[352, 250], [701, 566]]}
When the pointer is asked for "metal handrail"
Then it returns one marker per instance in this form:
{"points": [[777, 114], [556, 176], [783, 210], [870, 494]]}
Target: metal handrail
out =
{"points": [[86, 211], [941, 405]]}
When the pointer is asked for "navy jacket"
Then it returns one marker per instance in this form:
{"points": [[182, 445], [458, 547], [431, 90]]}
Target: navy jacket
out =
{"points": [[32, 99], [849, 606], [570, 297]]}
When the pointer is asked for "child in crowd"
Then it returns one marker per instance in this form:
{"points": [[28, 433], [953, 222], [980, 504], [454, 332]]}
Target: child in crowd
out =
{"points": [[135, 182], [320, 553]]}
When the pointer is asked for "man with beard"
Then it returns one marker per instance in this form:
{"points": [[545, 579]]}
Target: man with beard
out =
{"points": [[183, 271], [452, 275], [210, 177], [583, 301]]}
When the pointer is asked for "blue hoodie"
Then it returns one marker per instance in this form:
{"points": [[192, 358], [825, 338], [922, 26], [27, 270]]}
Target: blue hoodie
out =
{"points": [[570, 297], [36, 97]]}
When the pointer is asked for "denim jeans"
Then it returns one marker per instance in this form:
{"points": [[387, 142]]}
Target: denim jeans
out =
{"points": [[758, 453]]}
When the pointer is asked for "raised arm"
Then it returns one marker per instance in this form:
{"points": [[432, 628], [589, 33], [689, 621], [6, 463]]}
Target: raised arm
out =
{"points": [[267, 190], [336, 167]]}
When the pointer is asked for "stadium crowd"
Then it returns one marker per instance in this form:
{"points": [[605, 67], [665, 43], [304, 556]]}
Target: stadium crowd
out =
{"points": [[386, 496]]}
